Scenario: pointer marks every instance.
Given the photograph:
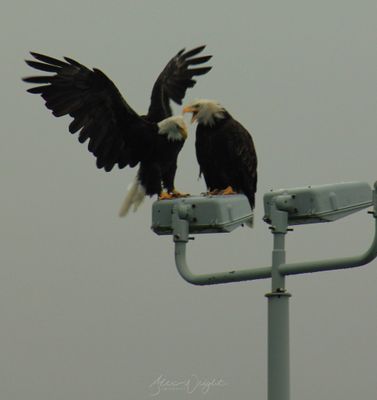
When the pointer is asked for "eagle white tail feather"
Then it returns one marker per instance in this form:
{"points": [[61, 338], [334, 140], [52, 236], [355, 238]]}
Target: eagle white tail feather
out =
{"points": [[135, 196]]}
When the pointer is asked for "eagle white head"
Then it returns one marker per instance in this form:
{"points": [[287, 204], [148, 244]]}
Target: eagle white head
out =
{"points": [[173, 127], [205, 111]]}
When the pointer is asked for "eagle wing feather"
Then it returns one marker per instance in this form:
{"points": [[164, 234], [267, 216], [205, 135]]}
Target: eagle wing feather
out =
{"points": [[174, 80], [116, 133]]}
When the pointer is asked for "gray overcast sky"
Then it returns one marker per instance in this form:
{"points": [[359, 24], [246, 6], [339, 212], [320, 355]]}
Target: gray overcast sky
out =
{"points": [[91, 306]]}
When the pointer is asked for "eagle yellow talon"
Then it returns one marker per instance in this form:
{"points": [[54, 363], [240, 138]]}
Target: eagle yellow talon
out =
{"points": [[177, 194], [213, 192], [227, 191], [217, 192], [165, 196]]}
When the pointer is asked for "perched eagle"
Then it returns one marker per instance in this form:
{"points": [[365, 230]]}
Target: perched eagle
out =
{"points": [[224, 149], [116, 133]]}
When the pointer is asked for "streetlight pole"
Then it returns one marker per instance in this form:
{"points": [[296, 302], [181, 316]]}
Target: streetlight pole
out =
{"points": [[278, 381], [278, 298]]}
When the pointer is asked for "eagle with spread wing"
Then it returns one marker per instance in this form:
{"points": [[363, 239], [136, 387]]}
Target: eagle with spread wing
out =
{"points": [[116, 134]]}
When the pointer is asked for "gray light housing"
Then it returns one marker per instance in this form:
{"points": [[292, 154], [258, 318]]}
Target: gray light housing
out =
{"points": [[206, 214], [322, 203]]}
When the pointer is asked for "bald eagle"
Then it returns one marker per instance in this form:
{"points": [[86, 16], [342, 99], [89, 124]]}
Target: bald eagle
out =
{"points": [[224, 149], [116, 133]]}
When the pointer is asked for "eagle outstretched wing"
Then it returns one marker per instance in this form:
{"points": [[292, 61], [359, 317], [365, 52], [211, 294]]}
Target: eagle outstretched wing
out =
{"points": [[116, 133], [174, 80]]}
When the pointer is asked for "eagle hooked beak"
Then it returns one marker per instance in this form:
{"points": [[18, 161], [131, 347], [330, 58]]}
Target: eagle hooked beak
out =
{"points": [[192, 110]]}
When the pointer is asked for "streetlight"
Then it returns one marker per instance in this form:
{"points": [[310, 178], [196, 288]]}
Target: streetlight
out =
{"points": [[285, 207]]}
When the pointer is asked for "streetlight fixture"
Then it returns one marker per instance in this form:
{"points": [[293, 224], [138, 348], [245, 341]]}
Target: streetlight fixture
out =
{"points": [[285, 207]]}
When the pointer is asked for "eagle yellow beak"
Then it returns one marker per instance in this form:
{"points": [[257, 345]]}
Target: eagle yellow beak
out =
{"points": [[190, 109]]}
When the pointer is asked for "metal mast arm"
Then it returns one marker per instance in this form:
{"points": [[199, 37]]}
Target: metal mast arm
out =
{"points": [[181, 237], [215, 278]]}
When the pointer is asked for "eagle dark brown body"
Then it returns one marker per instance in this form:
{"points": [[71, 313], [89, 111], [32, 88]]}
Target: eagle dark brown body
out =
{"points": [[225, 150]]}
